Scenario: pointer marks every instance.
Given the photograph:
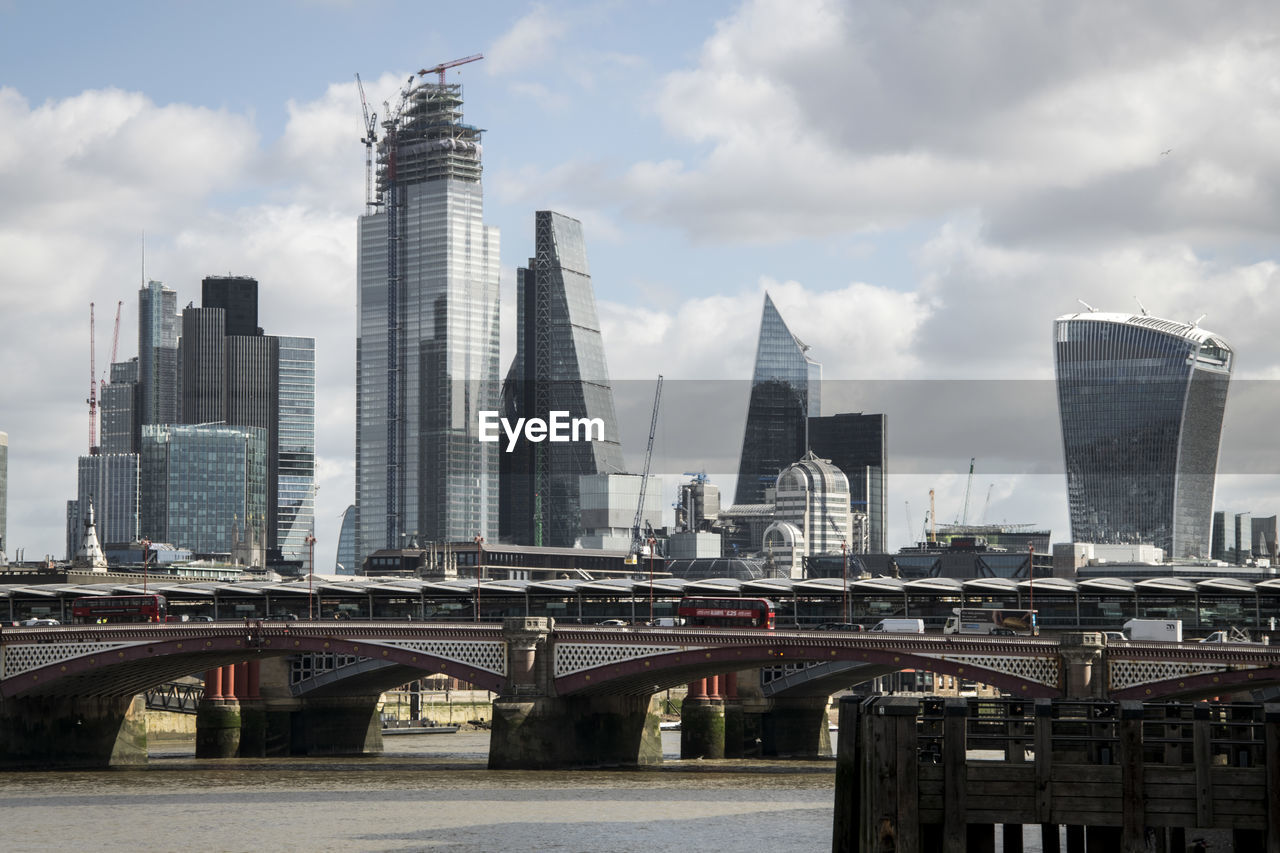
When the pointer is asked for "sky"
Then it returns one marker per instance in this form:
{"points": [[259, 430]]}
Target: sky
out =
{"points": [[921, 188]]}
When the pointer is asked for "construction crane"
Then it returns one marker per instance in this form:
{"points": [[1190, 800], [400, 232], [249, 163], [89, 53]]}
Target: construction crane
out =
{"points": [[115, 346], [933, 520], [369, 139], [637, 542], [443, 66], [93, 390], [987, 504], [911, 530], [964, 515]]}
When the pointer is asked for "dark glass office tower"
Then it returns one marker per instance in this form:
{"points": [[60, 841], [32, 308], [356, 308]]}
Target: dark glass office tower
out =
{"points": [[234, 380], [559, 367], [1141, 401], [784, 394], [855, 443], [238, 296], [427, 340]]}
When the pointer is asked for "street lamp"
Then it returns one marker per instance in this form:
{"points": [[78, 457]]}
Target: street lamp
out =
{"points": [[311, 574], [479, 540], [146, 552], [844, 575]]}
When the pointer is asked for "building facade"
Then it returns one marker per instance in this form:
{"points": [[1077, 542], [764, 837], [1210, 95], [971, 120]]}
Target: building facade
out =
{"points": [[204, 487], [158, 354], [559, 366], [1141, 402], [296, 459], [785, 393], [109, 483], [609, 503], [427, 341], [857, 445], [344, 562], [811, 516]]}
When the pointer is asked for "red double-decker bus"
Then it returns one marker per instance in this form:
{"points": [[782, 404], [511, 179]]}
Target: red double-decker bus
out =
{"points": [[109, 609], [727, 612]]}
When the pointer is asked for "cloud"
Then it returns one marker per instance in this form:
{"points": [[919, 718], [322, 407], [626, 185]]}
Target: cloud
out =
{"points": [[528, 43]]}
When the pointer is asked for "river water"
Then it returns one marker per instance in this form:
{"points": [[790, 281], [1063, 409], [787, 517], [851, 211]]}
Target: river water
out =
{"points": [[427, 792]]}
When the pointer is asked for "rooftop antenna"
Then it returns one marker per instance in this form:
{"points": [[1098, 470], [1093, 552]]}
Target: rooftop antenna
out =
{"points": [[1092, 310], [1140, 305]]}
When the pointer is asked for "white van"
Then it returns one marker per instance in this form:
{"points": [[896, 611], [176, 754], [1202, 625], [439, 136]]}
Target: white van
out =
{"points": [[900, 626]]}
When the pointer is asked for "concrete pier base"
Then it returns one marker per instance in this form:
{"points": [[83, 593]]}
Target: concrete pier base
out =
{"points": [[797, 728], [550, 733], [346, 725], [218, 728], [72, 733], [253, 729], [702, 728]]}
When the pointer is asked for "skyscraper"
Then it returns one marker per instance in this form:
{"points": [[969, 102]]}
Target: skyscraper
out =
{"points": [[109, 483], [559, 366], [785, 392], [296, 464], [234, 378], [427, 343], [158, 354], [121, 404], [1141, 401]]}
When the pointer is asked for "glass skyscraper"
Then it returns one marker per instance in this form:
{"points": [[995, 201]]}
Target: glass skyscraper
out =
{"points": [[559, 366], [1141, 401], [158, 354], [785, 392], [109, 481], [204, 487], [296, 464], [857, 445], [427, 342]]}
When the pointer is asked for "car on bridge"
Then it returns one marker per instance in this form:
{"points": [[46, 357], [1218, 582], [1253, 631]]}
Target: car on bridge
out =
{"points": [[839, 626], [39, 623]]}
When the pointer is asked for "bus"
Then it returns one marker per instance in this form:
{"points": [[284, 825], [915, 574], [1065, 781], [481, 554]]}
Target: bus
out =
{"points": [[113, 609], [991, 620], [727, 612]]}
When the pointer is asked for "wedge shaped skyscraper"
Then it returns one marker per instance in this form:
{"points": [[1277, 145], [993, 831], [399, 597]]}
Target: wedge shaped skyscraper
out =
{"points": [[785, 392], [1141, 401], [559, 366], [427, 343]]}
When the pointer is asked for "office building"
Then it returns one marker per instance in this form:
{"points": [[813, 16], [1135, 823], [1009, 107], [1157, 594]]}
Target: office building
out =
{"points": [[345, 560], [857, 445], [559, 366], [1223, 545], [108, 483], [120, 408], [296, 460], [811, 515], [158, 354], [1243, 537], [785, 393], [608, 503], [427, 341], [204, 487], [1141, 401]]}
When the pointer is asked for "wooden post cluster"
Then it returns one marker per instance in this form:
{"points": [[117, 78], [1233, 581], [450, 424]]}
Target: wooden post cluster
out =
{"points": [[925, 775]]}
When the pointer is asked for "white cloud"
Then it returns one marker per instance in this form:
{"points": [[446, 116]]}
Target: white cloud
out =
{"points": [[528, 43]]}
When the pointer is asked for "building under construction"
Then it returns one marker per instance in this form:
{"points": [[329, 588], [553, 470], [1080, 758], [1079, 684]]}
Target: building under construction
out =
{"points": [[427, 343]]}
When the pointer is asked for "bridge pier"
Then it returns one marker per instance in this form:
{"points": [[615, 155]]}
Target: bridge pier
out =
{"points": [[47, 732], [548, 733], [796, 728], [341, 725], [702, 720], [1080, 653]]}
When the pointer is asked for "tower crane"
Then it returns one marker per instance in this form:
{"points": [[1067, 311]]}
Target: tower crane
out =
{"points": [[637, 542], [911, 529], [369, 139], [443, 66], [115, 346], [987, 504], [964, 516]]}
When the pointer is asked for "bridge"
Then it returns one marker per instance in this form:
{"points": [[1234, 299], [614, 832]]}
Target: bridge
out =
{"points": [[567, 696]]}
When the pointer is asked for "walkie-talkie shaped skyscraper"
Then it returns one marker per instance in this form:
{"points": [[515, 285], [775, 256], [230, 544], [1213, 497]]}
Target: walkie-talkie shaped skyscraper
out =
{"points": [[1141, 401]]}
